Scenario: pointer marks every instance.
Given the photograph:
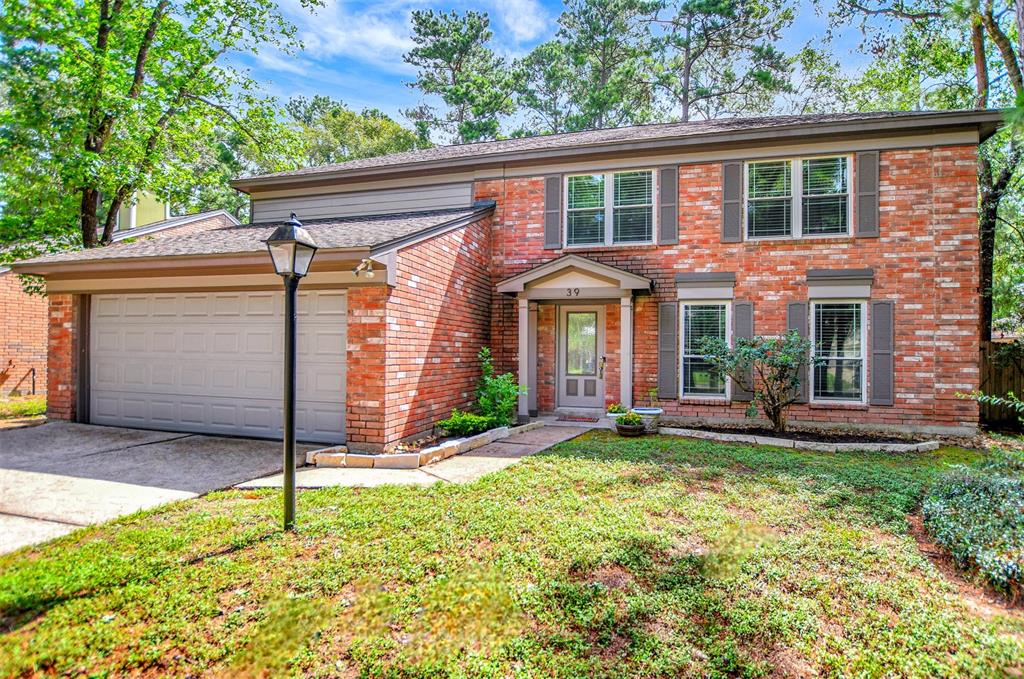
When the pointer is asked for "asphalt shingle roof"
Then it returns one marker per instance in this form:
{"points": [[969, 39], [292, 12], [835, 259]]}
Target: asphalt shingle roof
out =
{"points": [[334, 233], [638, 133]]}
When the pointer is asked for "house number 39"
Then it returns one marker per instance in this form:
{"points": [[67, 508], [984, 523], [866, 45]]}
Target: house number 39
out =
{"points": [[572, 292]]}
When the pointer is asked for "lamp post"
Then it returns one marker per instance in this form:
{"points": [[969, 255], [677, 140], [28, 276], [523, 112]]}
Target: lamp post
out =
{"points": [[291, 249]]}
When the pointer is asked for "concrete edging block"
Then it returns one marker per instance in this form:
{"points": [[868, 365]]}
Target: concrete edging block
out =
{"points": [[397, 461], [813, 446]]}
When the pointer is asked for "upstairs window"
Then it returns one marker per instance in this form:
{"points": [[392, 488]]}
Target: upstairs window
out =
{"points": [[798, 197], [616, 208]]}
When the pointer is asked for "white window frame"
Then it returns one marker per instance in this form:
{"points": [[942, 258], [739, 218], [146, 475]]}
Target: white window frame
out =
{"points": [[796, 188], [727, 396], [609, 209], [813, 305]]}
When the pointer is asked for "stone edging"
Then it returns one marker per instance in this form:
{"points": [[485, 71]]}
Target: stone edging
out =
{"points": [[800, 445], [338, 456]]}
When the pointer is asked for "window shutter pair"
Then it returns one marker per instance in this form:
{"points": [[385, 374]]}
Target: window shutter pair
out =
{"points": [[667, 207], [668, 346], [866, 167], [880, 364]]}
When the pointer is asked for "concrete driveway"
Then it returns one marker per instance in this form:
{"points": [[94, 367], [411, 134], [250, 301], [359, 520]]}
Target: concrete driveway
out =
{"points": [[59, 476]]}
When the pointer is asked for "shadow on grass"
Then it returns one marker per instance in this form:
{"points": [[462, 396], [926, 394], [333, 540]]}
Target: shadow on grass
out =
{"points": [[21, 605]]}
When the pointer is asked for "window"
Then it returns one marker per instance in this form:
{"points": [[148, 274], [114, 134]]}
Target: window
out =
{"points": [[702, 320], [825, 198], [798, 197], [625, 200], [838, 349]]}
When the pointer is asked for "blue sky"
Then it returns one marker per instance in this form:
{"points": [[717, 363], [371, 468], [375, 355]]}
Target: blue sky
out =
{"points": [[353, 50]]}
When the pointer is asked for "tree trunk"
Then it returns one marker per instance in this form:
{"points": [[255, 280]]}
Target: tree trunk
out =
{"points": [[88, 217], [988, 211]]}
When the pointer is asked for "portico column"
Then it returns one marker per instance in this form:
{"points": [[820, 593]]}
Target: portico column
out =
{"points": [[626, 350], [524, 355]]}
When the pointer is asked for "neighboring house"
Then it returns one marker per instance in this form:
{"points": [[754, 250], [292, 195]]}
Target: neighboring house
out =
{"points": [[141, 210], [592, 263], [24, 332]]}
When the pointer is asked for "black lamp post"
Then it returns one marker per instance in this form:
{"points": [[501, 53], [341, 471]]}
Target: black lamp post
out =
{"points": [[292, 249]]}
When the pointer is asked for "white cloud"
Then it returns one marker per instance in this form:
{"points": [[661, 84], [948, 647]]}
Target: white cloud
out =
{"points": [[526, 20]]}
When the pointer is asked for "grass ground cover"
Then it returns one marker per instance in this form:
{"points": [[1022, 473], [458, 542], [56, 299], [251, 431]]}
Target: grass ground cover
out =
{"points": [[29, 406], [660, 556]]}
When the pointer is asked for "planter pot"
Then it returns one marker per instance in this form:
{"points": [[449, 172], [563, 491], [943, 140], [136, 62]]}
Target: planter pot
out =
{"points": [[631, 429], [651, 417]]}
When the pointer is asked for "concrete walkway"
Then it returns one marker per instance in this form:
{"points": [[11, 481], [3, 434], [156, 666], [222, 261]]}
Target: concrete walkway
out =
{"points": [[462, 468]]}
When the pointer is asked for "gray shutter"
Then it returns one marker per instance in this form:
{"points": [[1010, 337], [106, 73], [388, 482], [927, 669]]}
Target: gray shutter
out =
{"points": [[867, 194], [668, 345], [881, 370], [732, 202], [742, 328], [553, 212], [668, 206], [796, 319]]}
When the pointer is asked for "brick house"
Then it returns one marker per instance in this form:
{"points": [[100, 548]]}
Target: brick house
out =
{"points": [[592, 263]]}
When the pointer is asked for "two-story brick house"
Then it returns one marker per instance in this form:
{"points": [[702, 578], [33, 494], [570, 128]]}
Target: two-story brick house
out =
{"points": [[592, 263]]}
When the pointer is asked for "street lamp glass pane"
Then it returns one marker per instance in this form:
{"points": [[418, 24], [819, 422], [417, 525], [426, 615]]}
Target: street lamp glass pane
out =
{"points": [[282, 256], [303, 258]]}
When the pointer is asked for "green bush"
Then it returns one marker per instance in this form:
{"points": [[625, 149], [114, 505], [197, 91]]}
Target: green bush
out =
{"points": [[466, 424], [977, 513], [497, 396]]}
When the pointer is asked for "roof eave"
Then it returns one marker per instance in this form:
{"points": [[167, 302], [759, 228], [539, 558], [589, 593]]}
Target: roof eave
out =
{"points": [[985, 122]]}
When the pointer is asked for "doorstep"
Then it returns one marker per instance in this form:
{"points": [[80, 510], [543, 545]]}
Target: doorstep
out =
{"points": [[340, 456]]}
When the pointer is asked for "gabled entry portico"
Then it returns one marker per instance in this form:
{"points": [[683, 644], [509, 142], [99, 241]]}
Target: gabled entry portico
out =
{"points": [[583, 293]]}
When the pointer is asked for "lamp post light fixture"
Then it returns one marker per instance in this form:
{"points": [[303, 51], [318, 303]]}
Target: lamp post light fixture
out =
{"points": [[291, 249]]}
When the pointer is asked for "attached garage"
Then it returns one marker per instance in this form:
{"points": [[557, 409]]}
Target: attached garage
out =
{"points": [[210, 362]]}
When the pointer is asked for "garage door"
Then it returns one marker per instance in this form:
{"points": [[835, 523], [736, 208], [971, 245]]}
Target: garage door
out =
{"points": [[212, 363]]}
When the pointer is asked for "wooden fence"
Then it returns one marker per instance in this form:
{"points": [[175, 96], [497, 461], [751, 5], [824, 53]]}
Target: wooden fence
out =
{"points": [[999, 378]]}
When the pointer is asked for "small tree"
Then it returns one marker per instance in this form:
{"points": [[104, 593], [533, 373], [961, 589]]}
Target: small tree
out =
{"points": [[768, 367]]}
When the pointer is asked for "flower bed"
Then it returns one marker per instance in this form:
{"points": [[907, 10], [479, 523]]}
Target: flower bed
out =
{"points": [[802, 440]]}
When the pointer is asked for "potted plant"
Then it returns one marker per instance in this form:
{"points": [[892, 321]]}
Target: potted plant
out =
{"points": [[652, 413], [630, 424], [615, 411]]}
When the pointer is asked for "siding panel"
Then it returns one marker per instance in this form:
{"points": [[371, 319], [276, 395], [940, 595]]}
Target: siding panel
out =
{"points": [[353, 203]]}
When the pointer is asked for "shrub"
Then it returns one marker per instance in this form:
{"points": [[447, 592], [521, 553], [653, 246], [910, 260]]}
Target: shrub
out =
{"points": [[768, 367], [616, 408], [977, 513], [1010, 402], [466, 424], [497, 395]]}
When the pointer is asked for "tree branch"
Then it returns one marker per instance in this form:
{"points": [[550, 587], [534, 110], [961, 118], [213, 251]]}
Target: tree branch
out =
{"points": [[143, 53]]}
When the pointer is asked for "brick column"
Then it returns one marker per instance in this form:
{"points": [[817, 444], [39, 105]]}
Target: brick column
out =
{"points": [[62, 354], [365, 372]]}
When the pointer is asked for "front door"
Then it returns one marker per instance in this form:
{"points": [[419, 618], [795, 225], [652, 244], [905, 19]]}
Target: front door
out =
{"points": [[581, 357]]}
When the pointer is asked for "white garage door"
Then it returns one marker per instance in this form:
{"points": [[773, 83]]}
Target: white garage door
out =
{"points": [[213, 363]]}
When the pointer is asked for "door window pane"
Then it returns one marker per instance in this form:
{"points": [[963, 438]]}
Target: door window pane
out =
{"points": [[839, 348], [700, 321], [769, 199], [581, 343], [825, 196]]}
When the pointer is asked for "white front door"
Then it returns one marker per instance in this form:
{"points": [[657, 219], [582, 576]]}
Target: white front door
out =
{"points": [[581, 357], [212, 362]]}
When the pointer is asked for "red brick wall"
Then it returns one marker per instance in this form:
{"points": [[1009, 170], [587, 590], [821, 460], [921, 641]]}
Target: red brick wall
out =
{"points": [[22, 338], [364, 376], [438, 319], [62, 368], [926, 260]]}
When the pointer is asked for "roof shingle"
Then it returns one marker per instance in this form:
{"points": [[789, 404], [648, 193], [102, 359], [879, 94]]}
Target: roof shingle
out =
{"points": [[334, 233]]}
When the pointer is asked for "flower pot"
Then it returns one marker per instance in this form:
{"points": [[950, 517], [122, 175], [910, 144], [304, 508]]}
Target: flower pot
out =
{"points": [[651, 417], [631, 429]]}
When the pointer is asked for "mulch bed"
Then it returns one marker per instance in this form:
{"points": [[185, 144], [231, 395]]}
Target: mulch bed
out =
{"points": [[807, 435]]}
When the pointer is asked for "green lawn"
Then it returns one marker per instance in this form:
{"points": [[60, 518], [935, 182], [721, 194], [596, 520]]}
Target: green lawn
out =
{"points": [[602, 557], [28, 406]]}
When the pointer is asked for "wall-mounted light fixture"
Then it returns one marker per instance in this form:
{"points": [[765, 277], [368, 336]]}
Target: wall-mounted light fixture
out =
{"points": [[365, 267]]}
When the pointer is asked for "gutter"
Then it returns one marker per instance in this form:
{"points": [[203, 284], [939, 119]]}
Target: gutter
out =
{"points": [[985, 122]]}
